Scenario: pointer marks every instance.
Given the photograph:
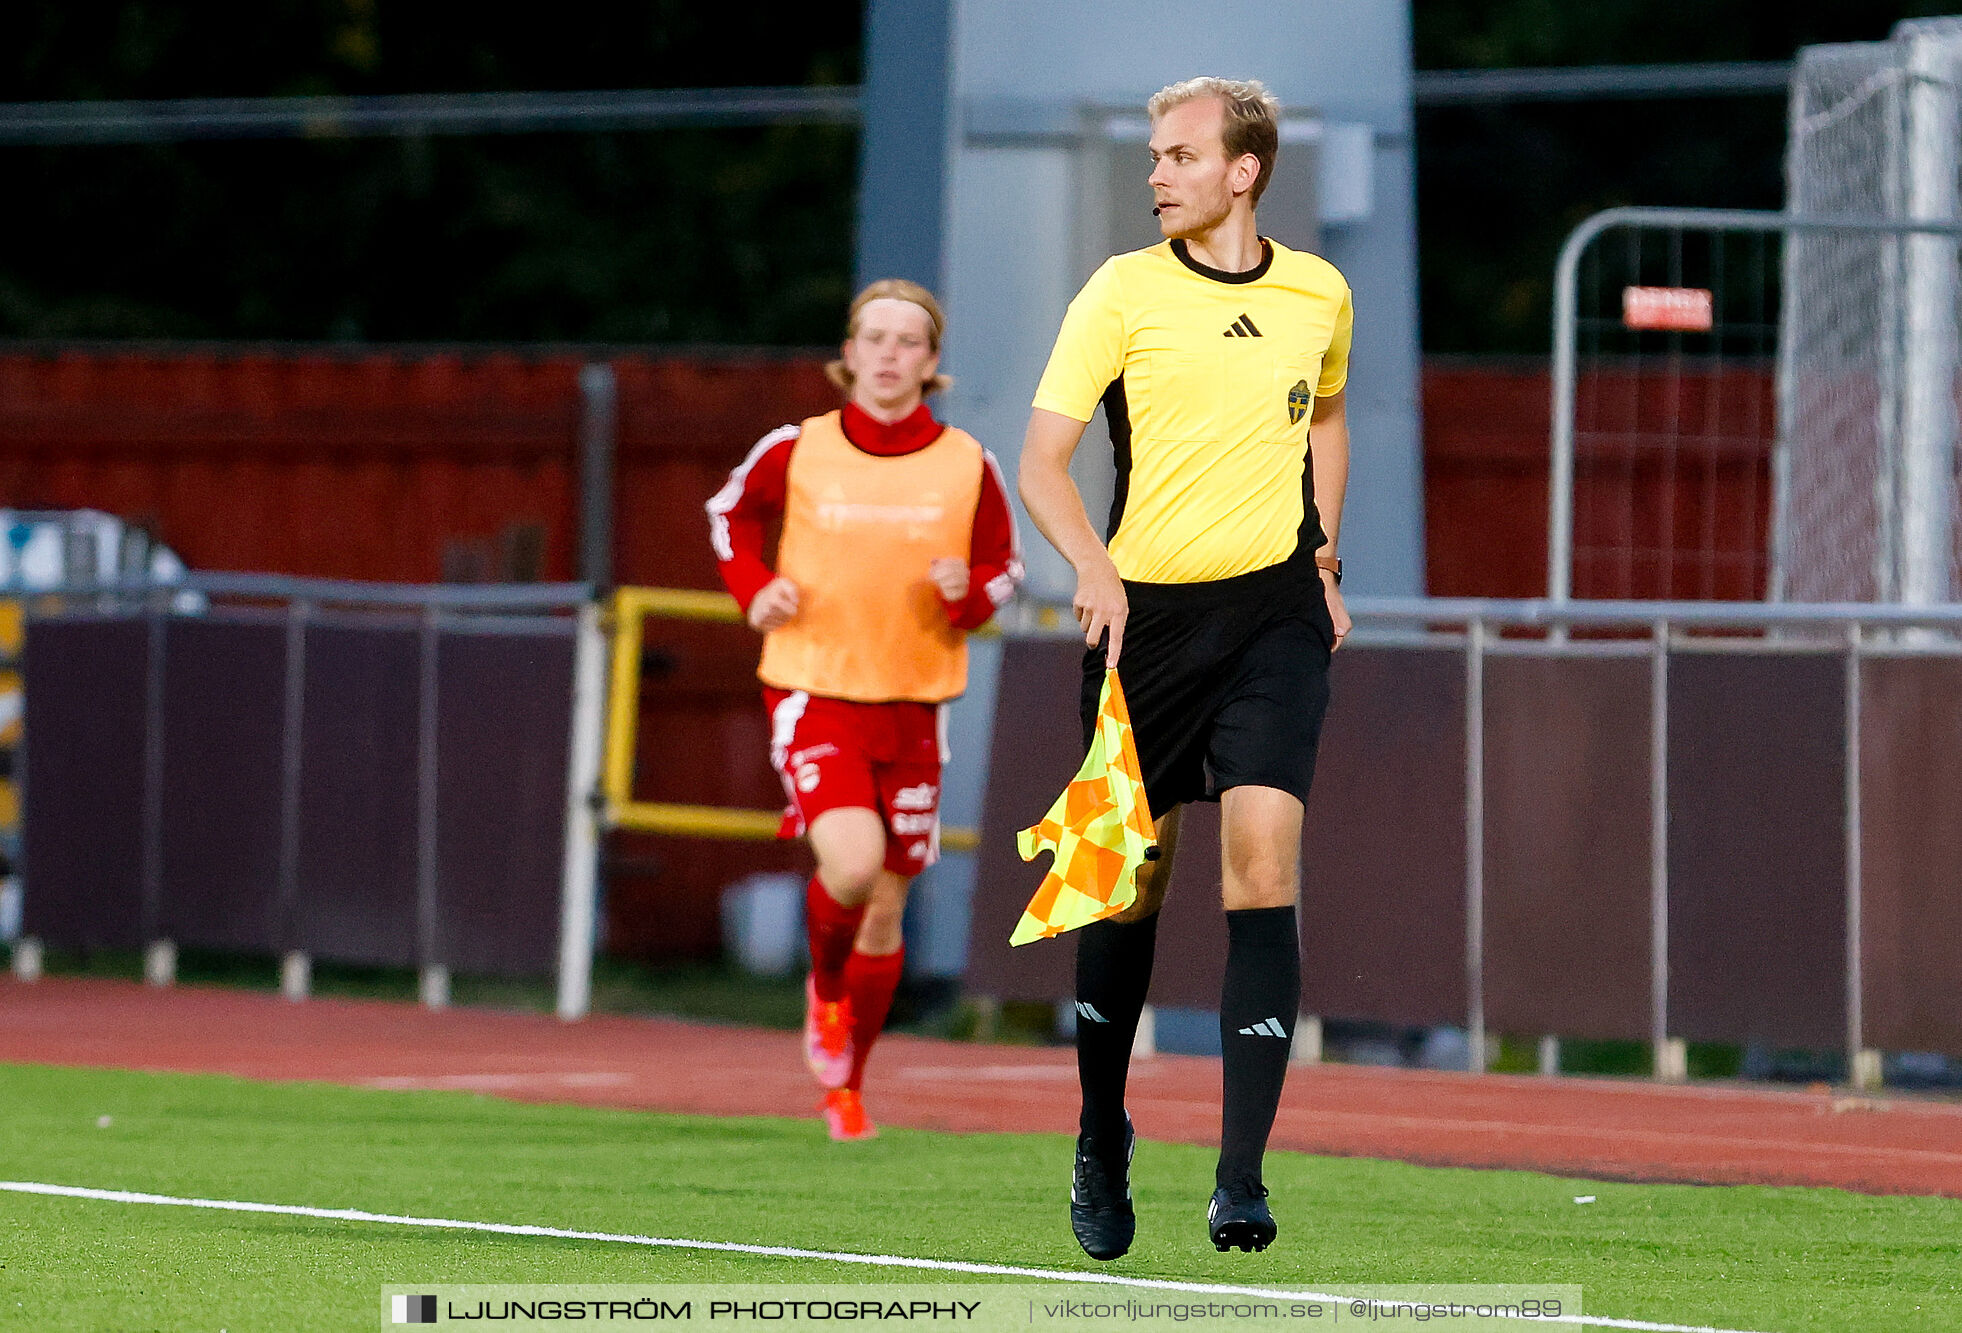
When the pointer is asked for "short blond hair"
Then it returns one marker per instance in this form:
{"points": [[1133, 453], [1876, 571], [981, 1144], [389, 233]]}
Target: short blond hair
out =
{"points": [[892, 289], [1252, 122]]}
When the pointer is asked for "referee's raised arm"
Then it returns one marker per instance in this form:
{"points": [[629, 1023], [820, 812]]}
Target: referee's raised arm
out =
{"points": [[1056, 506]]}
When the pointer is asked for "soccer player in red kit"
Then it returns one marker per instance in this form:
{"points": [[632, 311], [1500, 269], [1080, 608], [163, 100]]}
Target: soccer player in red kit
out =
{"points": [[897, 541]]}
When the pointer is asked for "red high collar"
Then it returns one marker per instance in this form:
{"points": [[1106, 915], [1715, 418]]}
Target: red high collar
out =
{"points": [[908, 435]]}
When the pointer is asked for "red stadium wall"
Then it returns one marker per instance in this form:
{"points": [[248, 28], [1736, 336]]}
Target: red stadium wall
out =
{"points": [[1485, 480], [419, 466], [385, 466], [1672, 480]]}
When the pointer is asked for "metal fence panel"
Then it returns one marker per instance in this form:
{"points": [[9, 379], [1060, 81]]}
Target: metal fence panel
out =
{"points": [[1730, 921], [503, 742], [1567, 892], [1672, 428], [1752, 404], [223, 757], [390, 786], [1757, 851], [356, 898], [82, 826], [1911, 793], [1383, 866]]}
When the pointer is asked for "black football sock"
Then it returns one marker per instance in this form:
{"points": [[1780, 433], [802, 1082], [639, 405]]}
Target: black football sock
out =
{"points": [[1113, 972], [1256, 1028]]}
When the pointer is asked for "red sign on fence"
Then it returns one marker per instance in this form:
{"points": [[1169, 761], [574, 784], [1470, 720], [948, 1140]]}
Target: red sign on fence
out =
{"points": [[1682, 309]]}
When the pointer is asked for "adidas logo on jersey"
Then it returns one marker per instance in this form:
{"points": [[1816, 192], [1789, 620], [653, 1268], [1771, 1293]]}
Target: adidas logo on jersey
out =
{"points": [[1266, 1027], [1242, 327]]}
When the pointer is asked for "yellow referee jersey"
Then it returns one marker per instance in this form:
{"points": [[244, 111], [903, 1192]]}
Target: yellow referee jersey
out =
{"points": [[1207, 380]]}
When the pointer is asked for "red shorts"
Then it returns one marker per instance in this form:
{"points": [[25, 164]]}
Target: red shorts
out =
{"points": [[833, 754]]}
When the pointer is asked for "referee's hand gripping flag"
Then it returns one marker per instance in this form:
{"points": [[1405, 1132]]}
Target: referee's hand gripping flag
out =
{"points": [[1100, 832]]}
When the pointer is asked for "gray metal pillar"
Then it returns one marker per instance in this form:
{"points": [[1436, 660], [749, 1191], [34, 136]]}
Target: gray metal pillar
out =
{"points": [[902, 157], [599, 434], [291, 728], [153, 772], [1475, 645], [1929, 346], [579, 876], [1863, 1068], [1671, 1055], [435, 987]]}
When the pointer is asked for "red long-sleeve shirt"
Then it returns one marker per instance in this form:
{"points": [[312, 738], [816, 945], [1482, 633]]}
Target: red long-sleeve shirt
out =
{"points": [[754, 494]]}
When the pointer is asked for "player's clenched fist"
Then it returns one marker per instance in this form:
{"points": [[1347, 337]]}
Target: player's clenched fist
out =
{"points": [[950, 576], [774, 606]]}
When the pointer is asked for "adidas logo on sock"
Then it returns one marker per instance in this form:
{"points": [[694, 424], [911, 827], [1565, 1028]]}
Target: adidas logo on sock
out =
{"points": [[1087, 1010], [1242, 328], [1266, 1027]]}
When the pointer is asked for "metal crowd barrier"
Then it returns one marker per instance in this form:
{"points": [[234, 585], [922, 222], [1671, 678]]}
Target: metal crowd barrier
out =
{"points": [[1668, 821], [1657, 821], [171, 730]]}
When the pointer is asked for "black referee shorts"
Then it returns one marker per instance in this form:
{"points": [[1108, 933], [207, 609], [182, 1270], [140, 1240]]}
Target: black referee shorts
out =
{"points": [[1226, 681]]}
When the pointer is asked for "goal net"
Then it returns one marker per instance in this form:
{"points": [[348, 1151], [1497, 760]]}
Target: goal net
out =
{"points": [[1864, 473]]}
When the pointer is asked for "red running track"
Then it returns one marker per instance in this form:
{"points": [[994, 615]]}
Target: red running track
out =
{"points": [[1602, 1128]]}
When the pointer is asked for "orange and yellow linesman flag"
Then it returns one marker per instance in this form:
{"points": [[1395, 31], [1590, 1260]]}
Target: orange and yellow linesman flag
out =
{"points": [[1100, 831]]}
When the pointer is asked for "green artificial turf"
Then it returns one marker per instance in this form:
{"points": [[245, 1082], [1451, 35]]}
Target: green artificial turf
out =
{"points": [[1744, 1258]]}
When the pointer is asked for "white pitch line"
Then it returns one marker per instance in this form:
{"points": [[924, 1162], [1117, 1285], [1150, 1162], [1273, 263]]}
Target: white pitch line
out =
{"points": [[778, 1251]]}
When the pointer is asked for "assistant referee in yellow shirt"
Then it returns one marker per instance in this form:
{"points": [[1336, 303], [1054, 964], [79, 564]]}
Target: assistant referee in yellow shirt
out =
{"points": [[1219, 358]]}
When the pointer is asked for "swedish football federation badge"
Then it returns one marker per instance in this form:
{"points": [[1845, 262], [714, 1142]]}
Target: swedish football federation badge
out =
{"points": [[1300, 398]]}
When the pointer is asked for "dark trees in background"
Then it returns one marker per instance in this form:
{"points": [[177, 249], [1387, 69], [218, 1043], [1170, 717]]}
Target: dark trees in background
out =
{"points": [[729, 236], [1499, 187], [707, 235]]}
